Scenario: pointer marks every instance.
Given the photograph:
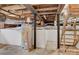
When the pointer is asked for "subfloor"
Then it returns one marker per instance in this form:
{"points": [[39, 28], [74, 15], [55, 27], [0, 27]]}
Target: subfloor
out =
{"points": [[16, 50]]}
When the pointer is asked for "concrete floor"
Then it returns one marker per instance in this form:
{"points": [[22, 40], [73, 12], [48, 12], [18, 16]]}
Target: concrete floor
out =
{"points": [[16, 50]]}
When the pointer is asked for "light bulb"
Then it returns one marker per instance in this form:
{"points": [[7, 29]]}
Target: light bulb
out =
{"points": [[28, 19]]}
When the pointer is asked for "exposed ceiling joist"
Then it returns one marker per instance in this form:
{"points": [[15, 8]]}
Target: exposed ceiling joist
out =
{"points": [[46, 9], [43, 9], [12, 17], [29, 7], [74, 9], [45, 13], [17, 7], [45, 6], [40, 10], [74, 6], [9, 14], [14, 7], [5, 11], [42, 13]]}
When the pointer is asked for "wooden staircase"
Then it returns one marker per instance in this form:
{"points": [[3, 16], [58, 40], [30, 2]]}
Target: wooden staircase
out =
{"points": [[69, 39]]}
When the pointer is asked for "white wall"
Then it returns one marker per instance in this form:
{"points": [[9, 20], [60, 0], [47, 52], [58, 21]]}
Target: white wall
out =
{"points": [[10, 36], [14, 37], [44, 35]]}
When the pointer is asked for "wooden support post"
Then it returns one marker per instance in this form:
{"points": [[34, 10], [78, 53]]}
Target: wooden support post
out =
{"points": [[58, 32], [34, 31]]}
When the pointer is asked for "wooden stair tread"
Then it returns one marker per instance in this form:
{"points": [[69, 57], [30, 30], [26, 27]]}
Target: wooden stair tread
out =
{"points": [[69, 34], [71, 38], [71, 30], [71, 23], [73, 50], [67, 43], [68, 40]]}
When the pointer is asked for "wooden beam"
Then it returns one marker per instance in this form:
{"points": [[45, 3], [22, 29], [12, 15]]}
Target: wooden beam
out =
{"points": [[44, 13], [73, 6], [43, 9], [8, 16], [46, 9], [74, 9], [41, 13], [3, 10], [12, 17], [14, 7]]}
